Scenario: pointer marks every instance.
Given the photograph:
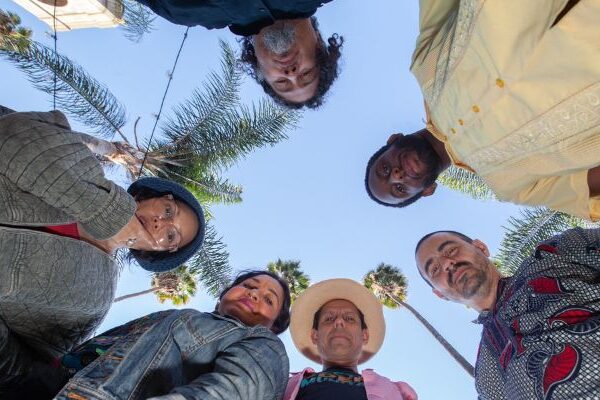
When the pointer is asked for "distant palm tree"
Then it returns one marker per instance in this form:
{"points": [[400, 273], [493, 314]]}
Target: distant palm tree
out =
{"points": [[12, 35], [178, 285], [390, 286], [290, 271], [137, 20]]}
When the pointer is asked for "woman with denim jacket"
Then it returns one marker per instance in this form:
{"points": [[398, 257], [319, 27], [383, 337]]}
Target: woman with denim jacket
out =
{"points": [[232, 353], [61, 222]]}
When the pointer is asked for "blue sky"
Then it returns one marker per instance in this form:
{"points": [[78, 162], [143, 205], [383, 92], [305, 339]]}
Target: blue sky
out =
{"points": [[304, 198]]}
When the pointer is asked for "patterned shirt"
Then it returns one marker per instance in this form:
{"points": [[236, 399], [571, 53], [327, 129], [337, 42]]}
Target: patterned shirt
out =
{"points": [[542, 339], [333, 383]]}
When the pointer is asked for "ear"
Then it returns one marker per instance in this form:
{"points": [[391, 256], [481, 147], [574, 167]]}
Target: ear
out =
{"points": [[428, 191], [481, 246], [393, 137], [314, 336], [439, 294], [365, 336]]}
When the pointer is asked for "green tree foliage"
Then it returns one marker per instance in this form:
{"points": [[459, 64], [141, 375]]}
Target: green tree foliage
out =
{"points": [[177, 286], [12, 35], [137, 20], [291, 272], [390, 286], [524, 233]]}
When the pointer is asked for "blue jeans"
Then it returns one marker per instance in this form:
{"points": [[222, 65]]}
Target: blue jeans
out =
{"points": [[197, 355]]}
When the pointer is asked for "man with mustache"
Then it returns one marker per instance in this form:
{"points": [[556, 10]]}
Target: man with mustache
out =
{"points": [[541, 326], [511, 93], [339, 324], [281, 45]]}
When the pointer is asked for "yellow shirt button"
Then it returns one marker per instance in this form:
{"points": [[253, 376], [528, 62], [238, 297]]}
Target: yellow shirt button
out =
{"points": [[499, 83], [461, 122], [453, 130], [475, 108]]}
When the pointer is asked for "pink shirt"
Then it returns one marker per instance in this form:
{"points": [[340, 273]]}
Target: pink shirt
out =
{"points": [[378, 387]]}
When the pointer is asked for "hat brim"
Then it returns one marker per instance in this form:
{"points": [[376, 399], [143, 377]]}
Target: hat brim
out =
{"points": [[304, 309]]}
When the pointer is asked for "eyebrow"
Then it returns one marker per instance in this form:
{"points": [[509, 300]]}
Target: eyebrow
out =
{"points": [[439, 249]]}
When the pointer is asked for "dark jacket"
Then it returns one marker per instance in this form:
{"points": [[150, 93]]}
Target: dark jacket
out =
{"points": [[243, 17]]}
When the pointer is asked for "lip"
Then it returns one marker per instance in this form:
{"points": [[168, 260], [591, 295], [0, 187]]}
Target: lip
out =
{"points": [[247, 303], [410, 165], [458, 274]]}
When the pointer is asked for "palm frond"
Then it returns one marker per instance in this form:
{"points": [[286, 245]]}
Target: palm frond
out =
{"points": [[77, 93], [207, 109], [137, 20], [211, 263], [466, 182], [523, 233]]}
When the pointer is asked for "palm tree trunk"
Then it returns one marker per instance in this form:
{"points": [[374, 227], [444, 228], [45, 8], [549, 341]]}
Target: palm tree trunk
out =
{"points": [[449, 348], [128, 296]]}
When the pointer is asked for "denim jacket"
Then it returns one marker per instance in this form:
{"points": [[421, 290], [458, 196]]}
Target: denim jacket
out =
{"points": [[185, 354]]}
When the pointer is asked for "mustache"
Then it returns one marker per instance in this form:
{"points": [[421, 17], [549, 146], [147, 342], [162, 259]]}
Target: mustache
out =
{"points": [[456, 267]]}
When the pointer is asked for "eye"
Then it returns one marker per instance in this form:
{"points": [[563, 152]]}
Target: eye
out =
{"points": [[168, 211], [268, 300], [385, 169], [350, 318]]}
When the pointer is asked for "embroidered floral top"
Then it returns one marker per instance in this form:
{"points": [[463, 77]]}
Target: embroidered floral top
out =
{"points": [[515, 95]]}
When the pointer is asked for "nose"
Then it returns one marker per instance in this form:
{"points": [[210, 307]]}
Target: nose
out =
{"points": [[397, 173], [253, 294], [447, 263], [158, 222], [292, 69], [339, 322]]}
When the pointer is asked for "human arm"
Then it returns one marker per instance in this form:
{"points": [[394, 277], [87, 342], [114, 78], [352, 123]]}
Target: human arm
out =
{"points": [[252, 368], [408, 393], [433, 14], [40, 156], [568, 193]]}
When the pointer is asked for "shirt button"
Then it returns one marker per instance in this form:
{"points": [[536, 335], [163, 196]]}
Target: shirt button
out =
{"points": [[453, 130], [461, 122], [475, 108], [499, 83]]}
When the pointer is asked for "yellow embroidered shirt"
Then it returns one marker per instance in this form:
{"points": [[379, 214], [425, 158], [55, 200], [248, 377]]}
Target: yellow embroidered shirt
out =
{"points": [[515, 98]]}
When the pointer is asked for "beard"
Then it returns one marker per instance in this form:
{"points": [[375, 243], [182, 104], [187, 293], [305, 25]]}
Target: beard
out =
{"points": [[279, 37], [475, 283], [426, 154]]}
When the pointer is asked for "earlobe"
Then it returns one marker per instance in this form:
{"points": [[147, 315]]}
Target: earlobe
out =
{"points": [[429, 190], [314, 336], [439, 294], [393, 137], [365, 333]]}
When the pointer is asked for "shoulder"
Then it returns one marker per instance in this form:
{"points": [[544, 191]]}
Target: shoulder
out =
{"points": [[373, 378]]}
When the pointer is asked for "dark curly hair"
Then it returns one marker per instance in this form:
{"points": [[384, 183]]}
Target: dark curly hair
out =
{"points": [[327, 56], [372, 160], [282, 321]]}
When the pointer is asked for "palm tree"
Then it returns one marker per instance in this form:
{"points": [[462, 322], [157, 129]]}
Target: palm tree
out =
{"points": [[178, 285], [389, 285], [13, 36], [525, 232], [137, 20], [203, 136], [290, 271]]}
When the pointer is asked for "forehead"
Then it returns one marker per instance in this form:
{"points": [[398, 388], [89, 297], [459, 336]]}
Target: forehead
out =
{"points": [[430, 246], [339, 305]]}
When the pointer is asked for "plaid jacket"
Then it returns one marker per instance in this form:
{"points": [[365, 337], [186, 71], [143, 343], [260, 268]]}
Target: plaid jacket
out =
{"points": [[542, 339]]}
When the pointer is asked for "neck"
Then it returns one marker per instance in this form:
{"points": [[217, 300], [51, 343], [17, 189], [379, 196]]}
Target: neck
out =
{"points": [[350, 366], [438, 147], [109, 246], [487, 302]]}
